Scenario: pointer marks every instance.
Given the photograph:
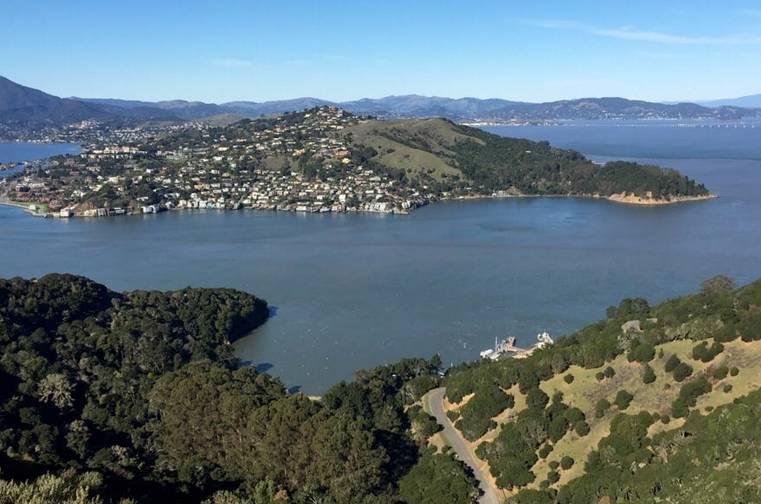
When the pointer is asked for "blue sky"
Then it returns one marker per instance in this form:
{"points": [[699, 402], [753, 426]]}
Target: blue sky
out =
{"points": [[257, 50]]}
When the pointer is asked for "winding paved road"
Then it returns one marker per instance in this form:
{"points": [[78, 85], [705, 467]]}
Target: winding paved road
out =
{"points": [[436, 404]]}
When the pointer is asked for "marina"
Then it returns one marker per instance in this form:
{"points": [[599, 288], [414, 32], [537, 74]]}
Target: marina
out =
{"points": [[508, 348]]}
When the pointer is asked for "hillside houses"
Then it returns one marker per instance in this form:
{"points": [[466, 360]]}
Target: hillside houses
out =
{"points": [[293, 162]]}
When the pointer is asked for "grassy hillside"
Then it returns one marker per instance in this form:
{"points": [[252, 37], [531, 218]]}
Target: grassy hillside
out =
{"points": [[443, 156], [607, 412]]}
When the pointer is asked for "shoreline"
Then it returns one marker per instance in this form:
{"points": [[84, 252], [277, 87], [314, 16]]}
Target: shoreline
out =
{"points": [[619, 198], [622, 198]]}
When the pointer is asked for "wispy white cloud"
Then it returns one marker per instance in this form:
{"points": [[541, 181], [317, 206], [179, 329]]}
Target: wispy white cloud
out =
{"points": [[230, 62], [633, 34]]}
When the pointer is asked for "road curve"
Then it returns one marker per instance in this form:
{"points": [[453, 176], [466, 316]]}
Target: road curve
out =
{"points": [[436, 404]]}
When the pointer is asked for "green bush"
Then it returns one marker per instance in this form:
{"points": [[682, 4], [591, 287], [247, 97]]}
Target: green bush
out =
{"points": [[727, 388], [704, 353], [568, 378], [672, 362], [726, 334], [574, 415], [688, 396], [599, 376], [601, 407], [720, 372], [545, 450], [734, 371], [581, 428], [623, 399], [566, 462], [434, 478], [640, 352], [648, 375], [489, 401], [553, 477], [554, 464], [609, 372], [682, 371], [536, 399], [679, 408], [665, 419], [423, 424]]}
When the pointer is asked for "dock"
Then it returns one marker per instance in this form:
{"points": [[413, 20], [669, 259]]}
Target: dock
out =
{"points": [[508, 348]]}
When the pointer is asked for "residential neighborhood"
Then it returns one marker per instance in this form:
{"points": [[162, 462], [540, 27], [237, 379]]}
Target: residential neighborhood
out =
{"points": [[299, 161]]}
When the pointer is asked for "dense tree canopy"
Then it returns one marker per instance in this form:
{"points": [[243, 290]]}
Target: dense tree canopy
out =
{"points": [[140, 392]]}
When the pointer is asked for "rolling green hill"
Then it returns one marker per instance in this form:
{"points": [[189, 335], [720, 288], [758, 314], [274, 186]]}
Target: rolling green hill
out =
{"points": [[442, 156], [658, 410]]}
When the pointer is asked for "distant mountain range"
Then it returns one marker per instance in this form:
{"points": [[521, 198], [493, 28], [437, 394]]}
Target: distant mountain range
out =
{"points": [[30, 107], [750, 101]]}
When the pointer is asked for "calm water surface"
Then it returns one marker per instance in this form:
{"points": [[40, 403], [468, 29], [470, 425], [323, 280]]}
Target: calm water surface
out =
{"points": [[354, 291], [22, 151]]}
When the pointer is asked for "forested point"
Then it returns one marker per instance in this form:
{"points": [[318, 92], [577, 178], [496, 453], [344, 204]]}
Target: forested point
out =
{"points": [[137, 397], [441, 156]]}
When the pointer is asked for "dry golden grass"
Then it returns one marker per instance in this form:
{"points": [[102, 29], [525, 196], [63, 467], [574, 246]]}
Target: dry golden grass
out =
{"points": [[585, 391]]}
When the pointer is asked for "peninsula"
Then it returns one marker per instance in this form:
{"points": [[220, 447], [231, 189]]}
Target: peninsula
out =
{"points": [[319, 160]]}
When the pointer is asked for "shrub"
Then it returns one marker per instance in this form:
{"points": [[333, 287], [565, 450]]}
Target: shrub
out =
{"points": [[623, 399], [727, 388], [641, 352], [656, 416], [566, 462], [682, 371], [536, 398], [554, 464], [665, 419], [488, 401], [704, 353], [688, 396], [609, 372], [568, 378], [734, 371], [671, 363], [553, 477], [424, 424], [600, 376], [574, 415], [581, 428], [720, 372], [601, 408], [648, 375], [726, 334], [545, 450], [717, 286], [660, 353], [679, 408]]}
